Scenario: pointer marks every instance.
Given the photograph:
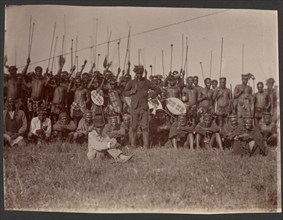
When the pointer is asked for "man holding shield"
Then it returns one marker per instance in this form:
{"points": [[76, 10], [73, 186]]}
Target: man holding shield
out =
{"points": [[138, 89]]}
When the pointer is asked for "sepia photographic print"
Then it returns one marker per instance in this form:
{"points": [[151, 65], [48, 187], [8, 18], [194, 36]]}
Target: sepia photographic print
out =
{"points": [[141, 110]]}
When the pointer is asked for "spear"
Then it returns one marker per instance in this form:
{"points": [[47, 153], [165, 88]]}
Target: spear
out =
{"points": [[182, 50], [96, 32], [127, 49], [91, 50], [171, 57], [243, 58], [139, 54], [54, 54], [98, 55], [29, 35], [31, 38], [221, 57], [119, 53], [163, 63], [51, 45], [63, 39], [72, 53], [201, 70], [76, 47], [187, 51], [108, 46], [210, 64]]}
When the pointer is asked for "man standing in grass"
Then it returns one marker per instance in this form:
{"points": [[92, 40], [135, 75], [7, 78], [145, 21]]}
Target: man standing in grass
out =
{"points": [[138, 89]]}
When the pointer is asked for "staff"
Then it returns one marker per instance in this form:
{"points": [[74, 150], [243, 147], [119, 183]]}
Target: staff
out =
{"points": [[243, 59], [182, 50], [127, 48], [163, 63], [210, 64], [221, 57], [96, 33], [72, 53], [52, 41], [119, 53], [201, 70], [171, 58], [54, 53]]}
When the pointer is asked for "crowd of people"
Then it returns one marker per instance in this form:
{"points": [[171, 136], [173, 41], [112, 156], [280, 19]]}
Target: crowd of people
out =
{"points": [[111, 110]]}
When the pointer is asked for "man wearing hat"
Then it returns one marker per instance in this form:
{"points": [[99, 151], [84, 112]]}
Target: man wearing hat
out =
{"points": [[14, 124], [243, 98], [15, 88], [40, 127], [181, 133], [138, 89], [262, 103], [251, 139], [223, 100], [207, 132]]}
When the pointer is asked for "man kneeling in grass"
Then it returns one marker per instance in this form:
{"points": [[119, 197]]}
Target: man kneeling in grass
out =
{"points": [[98, 145], [207, 132], [181, 133]]}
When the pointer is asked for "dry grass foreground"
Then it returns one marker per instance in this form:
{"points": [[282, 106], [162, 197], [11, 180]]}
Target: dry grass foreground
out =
{"points": [[155, 180]]}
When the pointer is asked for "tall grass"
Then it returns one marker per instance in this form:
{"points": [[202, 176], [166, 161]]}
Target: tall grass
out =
{"points": [[155, 180]]}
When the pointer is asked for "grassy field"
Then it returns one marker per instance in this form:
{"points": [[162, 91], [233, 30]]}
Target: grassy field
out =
{"points": [[155, 180]]}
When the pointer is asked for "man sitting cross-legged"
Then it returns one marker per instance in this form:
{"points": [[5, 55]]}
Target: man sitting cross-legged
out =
{"points": [[15, 124], [64, 128], [40, 127], [85, 126], [98, 145], [207, 132], [181, 133], [113, 129]]}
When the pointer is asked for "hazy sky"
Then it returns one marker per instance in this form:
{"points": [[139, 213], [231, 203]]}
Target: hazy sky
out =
{"points": [[256, 29]]}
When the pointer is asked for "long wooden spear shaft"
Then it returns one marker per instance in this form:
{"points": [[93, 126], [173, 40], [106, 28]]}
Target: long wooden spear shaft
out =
{"points": [[96, 33], [91, 50], [52, 42], [98, 55], [171, 57], [139, 56], [76, 47], [187, 51], [186, 60], [243, 58], [108, 46], [54, 53], [210, 64], [182, 50], [63, 39], [221, 55], [163, 63], [119, 54], [201, 70], [127, 49], [33, 24], [72, 64], [29, 34]]}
